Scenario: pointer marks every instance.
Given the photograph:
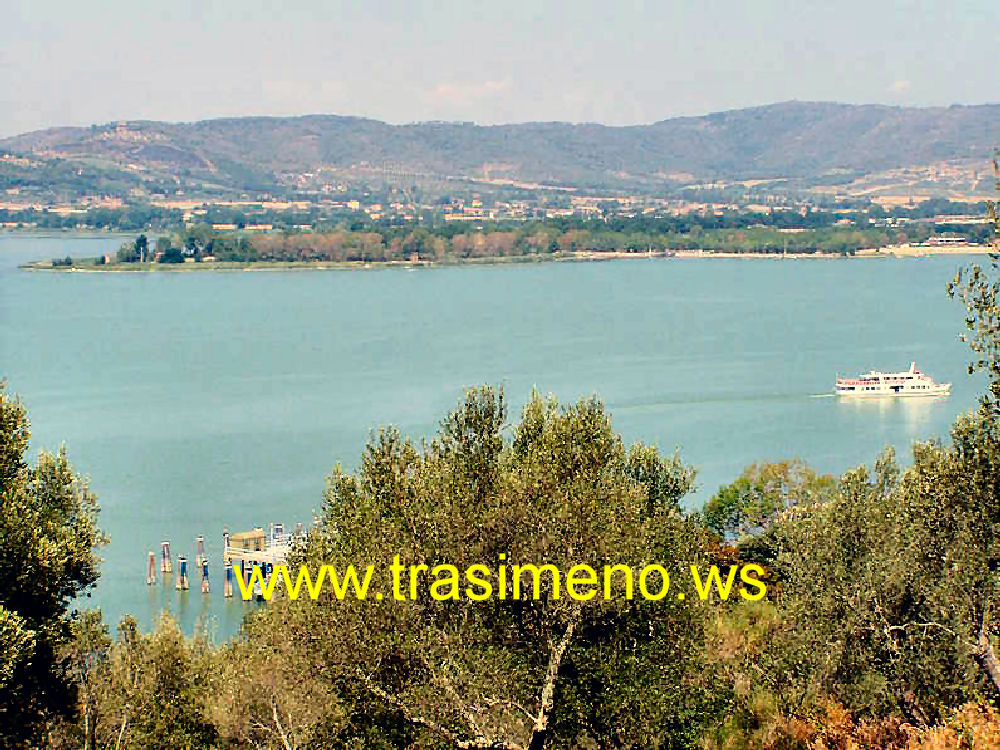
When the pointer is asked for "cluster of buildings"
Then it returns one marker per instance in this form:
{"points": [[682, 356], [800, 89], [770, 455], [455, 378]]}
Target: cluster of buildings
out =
{"points": [[266, 213]]}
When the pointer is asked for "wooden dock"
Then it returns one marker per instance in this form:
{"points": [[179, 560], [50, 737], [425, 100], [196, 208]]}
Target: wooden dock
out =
{"points": [[241, 553]]}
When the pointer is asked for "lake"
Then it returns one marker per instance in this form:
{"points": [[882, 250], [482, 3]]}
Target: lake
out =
{"points": [[197, 401]]}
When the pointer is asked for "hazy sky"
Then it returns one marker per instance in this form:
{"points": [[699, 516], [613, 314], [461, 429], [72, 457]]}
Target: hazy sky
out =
{"points": [[613, 61]]}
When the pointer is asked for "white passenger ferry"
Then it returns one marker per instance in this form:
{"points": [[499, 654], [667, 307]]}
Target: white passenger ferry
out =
{"points": [[910, 382]]}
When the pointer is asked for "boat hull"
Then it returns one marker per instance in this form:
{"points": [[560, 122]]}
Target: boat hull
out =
{"points": [[943, 391]]}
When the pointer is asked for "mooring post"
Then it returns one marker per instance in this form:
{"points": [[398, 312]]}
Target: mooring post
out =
{"points": [[165, 565], [151, 569], [199, 550], [227, 588], [182, 576], [204, 576]]}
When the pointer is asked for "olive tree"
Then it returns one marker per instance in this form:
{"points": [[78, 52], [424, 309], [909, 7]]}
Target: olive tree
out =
{"points": [[524, 672], [48, 538]]}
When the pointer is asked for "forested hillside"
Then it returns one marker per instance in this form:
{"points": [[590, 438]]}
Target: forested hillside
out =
{"points": [[793, 139]]}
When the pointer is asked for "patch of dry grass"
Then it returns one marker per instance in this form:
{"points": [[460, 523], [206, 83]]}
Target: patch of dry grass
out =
{"points": [[972, 727]]}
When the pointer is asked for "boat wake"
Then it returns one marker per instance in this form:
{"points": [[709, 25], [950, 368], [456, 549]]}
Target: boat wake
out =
{"points": [[692, 399]]}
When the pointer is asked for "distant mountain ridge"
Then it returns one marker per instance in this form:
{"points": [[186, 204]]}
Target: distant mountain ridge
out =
{"points": [[790, 139]]}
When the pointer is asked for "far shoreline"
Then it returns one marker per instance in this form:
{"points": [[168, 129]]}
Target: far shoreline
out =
{"points": [[577, 257]]}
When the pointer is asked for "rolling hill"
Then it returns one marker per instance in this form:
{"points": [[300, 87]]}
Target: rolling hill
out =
{"points": [[801, 140]]}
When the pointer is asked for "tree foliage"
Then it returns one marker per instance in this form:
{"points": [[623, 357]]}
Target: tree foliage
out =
{"points": [[760, 493], [48, 537], [141, 690]]}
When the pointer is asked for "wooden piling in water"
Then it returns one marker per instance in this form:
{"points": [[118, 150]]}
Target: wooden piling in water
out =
{"points": [[151, 569], [182, 577], [204, 576], [166, 566]]}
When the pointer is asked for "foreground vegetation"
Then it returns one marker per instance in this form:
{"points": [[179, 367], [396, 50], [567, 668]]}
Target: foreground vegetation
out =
{"points": [[879, 628]]}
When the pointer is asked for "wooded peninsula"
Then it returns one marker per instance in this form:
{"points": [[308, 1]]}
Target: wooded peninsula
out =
{"points": [[374, 244]]}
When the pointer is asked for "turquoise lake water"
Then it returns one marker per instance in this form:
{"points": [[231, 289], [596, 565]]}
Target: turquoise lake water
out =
{"points": [[197, 401]]}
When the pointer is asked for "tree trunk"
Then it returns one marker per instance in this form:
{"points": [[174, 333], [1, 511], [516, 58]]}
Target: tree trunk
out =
{"points": [[90, 719], [121, 733], [542, 731], [987, 657]]}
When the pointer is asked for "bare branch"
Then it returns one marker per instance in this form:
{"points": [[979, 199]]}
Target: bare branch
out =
{"points": [[478, 743], [121, 732], [277, 723], [541, 729], [463, 708], [491, 702], [984, 652]]}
